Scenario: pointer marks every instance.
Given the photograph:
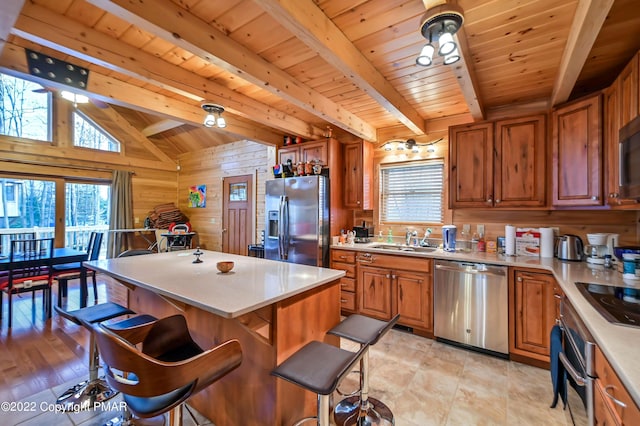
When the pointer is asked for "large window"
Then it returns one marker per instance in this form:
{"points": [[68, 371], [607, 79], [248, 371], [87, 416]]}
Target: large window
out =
{"points": [[87, 134], [87, 210], [412, 192], [25, 109]]}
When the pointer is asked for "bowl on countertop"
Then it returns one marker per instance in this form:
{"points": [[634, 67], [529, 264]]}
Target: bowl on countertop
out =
{"points": [[619, 251], [224, 266]]}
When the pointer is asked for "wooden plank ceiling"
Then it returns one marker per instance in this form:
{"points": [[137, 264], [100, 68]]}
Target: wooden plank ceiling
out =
{"points": [[296, 67]]}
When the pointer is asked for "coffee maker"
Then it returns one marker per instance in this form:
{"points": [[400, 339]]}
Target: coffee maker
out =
{"points": [[600, 245]]}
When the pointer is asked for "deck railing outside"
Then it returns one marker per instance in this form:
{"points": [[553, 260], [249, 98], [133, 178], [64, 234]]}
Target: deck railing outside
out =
{"points": [[76, 237]]}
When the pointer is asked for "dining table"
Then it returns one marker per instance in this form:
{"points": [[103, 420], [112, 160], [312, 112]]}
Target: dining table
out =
{"points": [[60, 256]]}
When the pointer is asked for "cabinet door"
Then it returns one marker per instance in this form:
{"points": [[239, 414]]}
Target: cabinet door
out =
{"points": [[374, 289], [628, 90], [315, 152], [577, 147], [414, 299], [289, 153], [519, 177], [535, 311], [358, 177], [471, 165]]}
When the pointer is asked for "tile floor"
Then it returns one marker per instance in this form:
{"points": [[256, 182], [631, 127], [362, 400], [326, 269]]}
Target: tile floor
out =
{"points": [[423, 382]]}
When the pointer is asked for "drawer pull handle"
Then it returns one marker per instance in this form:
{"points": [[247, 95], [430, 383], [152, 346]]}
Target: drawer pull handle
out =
{"points": [[343, 300], [613, 398], [558, 296]]}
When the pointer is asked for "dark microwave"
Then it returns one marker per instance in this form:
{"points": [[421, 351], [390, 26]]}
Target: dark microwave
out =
{"points": [[630, 160]]}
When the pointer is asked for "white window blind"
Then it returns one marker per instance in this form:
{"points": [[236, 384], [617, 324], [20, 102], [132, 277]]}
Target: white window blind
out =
{"points": [[412, 193]]}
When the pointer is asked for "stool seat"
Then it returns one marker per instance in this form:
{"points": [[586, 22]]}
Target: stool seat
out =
{"points": [[318, 367], [361, 329], [96, 313]]}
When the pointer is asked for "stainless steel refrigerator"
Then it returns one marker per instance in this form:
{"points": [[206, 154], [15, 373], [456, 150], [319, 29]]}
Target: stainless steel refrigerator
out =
{"points": [[297, 220]]}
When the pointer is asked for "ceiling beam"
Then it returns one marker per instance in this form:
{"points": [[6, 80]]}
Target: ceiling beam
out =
{"points": [[111, 90], [96, 113], [73, 38], [309, 24], [160, 126], [169, 21], [9, 11], [466, 77], [587, 22]]}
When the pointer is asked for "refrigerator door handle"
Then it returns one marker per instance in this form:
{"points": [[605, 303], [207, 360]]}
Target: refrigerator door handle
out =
{"points": [[285, 225]]}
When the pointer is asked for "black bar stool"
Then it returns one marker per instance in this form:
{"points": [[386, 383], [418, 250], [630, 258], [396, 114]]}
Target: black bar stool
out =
{"points": [[318, 367], [83, 395], [361, 409]]}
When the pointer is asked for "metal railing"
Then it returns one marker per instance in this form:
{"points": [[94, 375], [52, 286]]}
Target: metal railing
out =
{"points": [[75, 237]]}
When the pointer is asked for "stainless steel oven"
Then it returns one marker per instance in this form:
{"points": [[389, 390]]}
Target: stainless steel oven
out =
{"points": [[578, 359]]}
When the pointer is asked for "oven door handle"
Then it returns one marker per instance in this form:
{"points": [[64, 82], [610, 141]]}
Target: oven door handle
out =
{"points": [[580, 381]]}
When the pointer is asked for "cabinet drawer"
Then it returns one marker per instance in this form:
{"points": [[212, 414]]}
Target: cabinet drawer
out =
{"points": [[394, 262], [349, 269], [348, 284], [348, 300], [612, 387], [343, 256]]}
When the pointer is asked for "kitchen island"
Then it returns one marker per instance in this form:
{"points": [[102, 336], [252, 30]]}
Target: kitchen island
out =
{"points": [[273, 308], [620, 344]]}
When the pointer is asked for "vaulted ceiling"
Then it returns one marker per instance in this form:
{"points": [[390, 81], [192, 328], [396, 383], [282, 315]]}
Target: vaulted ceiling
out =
{"points": [[296, 67]]}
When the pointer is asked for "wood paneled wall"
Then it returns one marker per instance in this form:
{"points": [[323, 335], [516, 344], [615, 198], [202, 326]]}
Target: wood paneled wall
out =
{"points": [[208, 167]]}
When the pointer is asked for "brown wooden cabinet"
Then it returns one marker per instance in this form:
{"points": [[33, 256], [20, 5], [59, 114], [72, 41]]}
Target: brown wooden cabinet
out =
{"points": [[612, 403], [533, 312], [358, 175], [345, 260], [627, 83], [396, 284], [503, 169], [577, 154], [315, 151]]}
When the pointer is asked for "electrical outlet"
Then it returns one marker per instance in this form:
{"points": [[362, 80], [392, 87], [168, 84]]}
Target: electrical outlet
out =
{"points": [[213, 220], [136, 220], [481, 229]]}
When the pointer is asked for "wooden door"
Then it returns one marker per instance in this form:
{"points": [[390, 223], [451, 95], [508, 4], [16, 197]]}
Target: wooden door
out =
{"points": [[471, 165], [237, 214], [374, 292], [414, 299], [577, 148], [628, 91], [520, 171], [535, 311], [352, 176], [289, 153], [314, 152]]}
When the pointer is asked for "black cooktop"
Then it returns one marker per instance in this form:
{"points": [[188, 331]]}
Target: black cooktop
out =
{"points": [[619, 305]]}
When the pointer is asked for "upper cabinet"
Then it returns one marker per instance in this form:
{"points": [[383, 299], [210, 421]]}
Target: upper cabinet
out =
{"points": [[627, 83], [499, 164], [577, 154], [305, 152], [358, 175]]}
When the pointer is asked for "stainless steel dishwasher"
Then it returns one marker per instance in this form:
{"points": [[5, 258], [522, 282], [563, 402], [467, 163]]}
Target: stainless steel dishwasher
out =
{"points": [[470, 305]]}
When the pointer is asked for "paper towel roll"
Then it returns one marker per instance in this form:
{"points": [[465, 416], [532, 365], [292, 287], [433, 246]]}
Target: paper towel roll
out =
{"points": [[510, 240], [547, 239]]}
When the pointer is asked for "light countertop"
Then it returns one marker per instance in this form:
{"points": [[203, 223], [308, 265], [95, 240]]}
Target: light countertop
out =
{"points": [[620, 344], [252, 284]]}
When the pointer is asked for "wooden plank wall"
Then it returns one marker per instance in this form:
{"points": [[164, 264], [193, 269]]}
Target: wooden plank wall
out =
{"points": [[209, 167]]}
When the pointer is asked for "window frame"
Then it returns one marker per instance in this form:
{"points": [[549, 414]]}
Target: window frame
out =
{"points": [[383, 215], [97, 128], [49, 112]]}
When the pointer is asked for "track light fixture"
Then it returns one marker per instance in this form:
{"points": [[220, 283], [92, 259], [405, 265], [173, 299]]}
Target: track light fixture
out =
{"points": [[214, 116], [439, 24], [410, 145]]}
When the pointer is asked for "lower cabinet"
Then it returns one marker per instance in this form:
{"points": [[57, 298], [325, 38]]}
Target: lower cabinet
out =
{"points": [[533, 310], [345, 260], [388, 284], [612, 404]]}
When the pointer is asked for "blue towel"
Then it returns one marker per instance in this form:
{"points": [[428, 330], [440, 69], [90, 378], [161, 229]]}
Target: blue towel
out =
{"points": [[558, 373]]}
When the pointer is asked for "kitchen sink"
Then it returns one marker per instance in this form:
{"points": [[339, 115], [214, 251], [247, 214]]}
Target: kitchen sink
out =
{"points": [[393, 247]]}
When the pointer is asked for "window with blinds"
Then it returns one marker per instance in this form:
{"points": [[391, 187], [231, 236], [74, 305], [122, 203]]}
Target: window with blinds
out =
{"points": [[412, 192]]}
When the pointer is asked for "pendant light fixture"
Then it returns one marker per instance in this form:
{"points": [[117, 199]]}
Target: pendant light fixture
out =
{"points": [[214, 116], [439, 24]]}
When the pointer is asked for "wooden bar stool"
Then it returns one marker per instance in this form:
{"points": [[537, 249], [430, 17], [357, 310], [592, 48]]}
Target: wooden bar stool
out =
{"points": [[361, 409], [318, 367]]}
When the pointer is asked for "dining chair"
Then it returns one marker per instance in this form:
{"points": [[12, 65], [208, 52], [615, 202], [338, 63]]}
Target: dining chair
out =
{"points": [[29, 272], [71, 271]]}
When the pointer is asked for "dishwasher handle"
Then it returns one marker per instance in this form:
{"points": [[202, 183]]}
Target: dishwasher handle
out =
{"points": [[493, 271]]}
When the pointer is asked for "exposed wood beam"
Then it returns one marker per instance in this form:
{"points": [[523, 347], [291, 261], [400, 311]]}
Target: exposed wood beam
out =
{"points": [[589, 18], [9, 11], [466, 77], [73, 38], [114, 91], [169, 21], [93, 111], [160, 126], [309, 23]]}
